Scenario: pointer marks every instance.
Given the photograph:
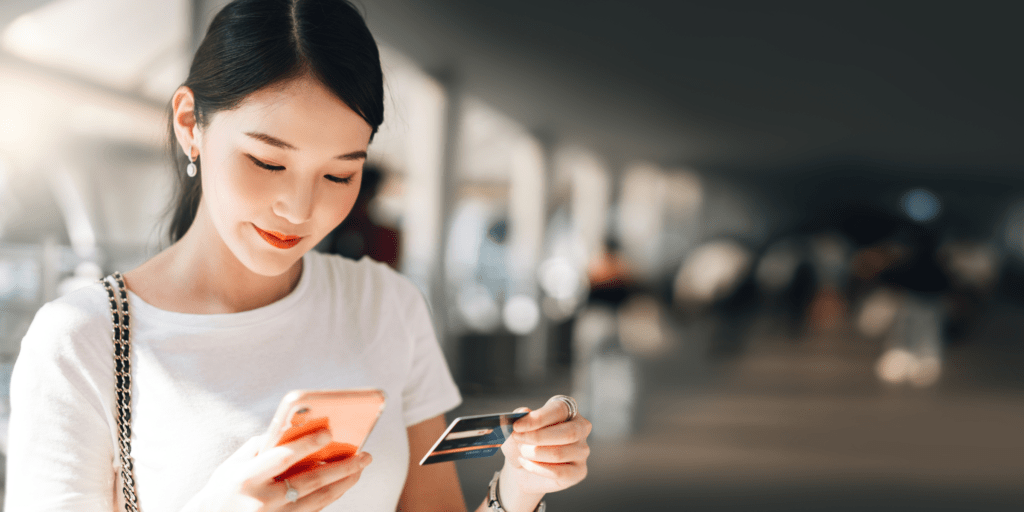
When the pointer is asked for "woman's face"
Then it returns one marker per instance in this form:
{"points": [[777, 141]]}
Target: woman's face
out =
{"points": [[280, 172]]}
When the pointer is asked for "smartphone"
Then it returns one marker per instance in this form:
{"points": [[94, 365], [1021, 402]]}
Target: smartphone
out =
{"points": [[350, 415], [471, 437]]}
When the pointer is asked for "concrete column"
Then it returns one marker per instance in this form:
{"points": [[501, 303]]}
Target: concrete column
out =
{"points": [[591, 195], [431, 115], [527, 212], [451, 125]]}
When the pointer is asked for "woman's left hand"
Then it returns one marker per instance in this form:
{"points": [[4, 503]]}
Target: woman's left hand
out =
{"points": [[545, 453]]}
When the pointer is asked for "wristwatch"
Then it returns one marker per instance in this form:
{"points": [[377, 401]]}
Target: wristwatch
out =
{"points": [[492, 497]]}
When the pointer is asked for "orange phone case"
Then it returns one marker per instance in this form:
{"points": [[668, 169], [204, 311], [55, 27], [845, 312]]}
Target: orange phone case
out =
{"points": [[350, 415]]}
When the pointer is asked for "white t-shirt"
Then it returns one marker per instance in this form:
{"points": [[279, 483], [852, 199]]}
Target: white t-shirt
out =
{"points": [[204, 384]]}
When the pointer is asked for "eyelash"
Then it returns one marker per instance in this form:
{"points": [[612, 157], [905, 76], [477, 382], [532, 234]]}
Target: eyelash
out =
{"points": [[278, 168]]}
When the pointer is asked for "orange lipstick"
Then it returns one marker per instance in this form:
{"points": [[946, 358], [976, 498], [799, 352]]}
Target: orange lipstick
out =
{"points": [[279, 240]]}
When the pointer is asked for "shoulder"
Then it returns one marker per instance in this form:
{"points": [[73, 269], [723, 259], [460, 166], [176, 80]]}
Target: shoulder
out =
{"points": [[374, 297], [363, 278], [80, 315], [75, 328]]}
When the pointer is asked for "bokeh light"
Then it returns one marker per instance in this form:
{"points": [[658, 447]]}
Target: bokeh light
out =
{"points": [[921, 205]]}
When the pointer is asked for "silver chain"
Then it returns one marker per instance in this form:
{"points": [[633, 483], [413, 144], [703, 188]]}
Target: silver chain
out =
{"points": [[123, 387]]}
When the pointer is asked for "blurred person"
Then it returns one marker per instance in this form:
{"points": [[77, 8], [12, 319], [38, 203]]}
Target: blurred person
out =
{"points": [[715, 285], [594, 332], [914, 343], [906, 306], [643, 330], [609, 332], [919, 316], [564, 282], [786, 279], [973, 268], [281, 102], [710, 274], [878, 311], [609, 275], [359, 235], [830, 257], [777, 267], [605, 378]]}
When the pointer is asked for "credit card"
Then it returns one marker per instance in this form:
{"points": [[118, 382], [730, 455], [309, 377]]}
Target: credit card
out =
{"points": [[471, 437]]}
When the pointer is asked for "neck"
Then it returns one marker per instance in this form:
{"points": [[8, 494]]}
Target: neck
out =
{"points": [[199, 274]]}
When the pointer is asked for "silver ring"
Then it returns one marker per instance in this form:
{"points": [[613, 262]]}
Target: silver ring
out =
{"points": [[569, 402], [291, 495]]}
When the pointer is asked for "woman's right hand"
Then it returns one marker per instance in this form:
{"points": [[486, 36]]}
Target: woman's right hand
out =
{"points": [[245, 481]]}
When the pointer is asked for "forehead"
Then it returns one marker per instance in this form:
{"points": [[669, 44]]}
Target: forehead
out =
{"points": [[302, 112]]}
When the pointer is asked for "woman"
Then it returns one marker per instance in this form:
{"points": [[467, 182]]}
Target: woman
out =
{"points": [[281, 102]]}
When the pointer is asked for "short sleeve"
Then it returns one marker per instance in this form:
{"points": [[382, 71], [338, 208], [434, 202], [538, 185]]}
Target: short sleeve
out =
{"points": [[60, 449], [429, 389]]}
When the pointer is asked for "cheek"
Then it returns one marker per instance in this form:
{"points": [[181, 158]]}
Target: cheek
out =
{"points": [[241, 191], [340, 206], [336, 205]]}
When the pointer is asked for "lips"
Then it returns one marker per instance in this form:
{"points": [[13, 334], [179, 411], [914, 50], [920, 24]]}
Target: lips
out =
{"points": [[279, 240]]}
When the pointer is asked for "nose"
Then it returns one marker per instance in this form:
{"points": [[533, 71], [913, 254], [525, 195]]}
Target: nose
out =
{"points": [[295, 201]]}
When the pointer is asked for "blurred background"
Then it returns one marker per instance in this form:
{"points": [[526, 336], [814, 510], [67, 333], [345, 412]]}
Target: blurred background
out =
{"points": [[775, 250]]}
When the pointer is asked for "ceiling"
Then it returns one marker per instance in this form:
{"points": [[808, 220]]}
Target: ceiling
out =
{"points": [[744, 87]]}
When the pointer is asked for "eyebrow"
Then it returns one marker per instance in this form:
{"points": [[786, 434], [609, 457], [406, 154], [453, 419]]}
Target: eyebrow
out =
{"points": [[278, 143]]}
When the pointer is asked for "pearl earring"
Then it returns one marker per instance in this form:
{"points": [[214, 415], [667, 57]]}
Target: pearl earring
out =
{"points": [[191, 169]]}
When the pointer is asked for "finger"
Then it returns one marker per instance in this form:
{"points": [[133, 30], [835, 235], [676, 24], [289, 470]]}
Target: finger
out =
{"points": [[311, 481], [555, 454], [561, 475], [249, 449], [555, 411], [540, 468], [561, 433], [519, 410], [276, 460]]}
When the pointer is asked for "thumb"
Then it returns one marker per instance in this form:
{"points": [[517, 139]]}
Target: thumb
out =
{"points": [[521, 409], [249, 449]]}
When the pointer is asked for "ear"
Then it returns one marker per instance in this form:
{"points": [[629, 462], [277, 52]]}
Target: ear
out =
{"points": [[186, 129]]}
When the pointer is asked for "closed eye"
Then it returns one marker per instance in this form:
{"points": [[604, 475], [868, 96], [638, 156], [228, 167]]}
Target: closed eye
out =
{"points": [[265, 165], [338, 180], [276, 168]]}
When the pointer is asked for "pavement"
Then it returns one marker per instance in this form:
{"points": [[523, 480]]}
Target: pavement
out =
{"points": [[795, 425]]}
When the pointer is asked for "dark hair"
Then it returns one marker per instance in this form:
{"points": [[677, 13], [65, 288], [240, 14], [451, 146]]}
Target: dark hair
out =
{"points": [[252, 44]]}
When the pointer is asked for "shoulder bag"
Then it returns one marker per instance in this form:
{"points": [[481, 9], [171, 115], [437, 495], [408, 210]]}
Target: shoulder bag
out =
{"points": [[123, 386]]}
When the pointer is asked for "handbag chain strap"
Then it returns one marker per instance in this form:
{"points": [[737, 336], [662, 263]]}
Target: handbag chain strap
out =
{"points": [[123, 387]]}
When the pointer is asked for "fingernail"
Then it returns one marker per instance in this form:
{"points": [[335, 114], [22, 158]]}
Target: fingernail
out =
{"points": [[367, 459]]}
